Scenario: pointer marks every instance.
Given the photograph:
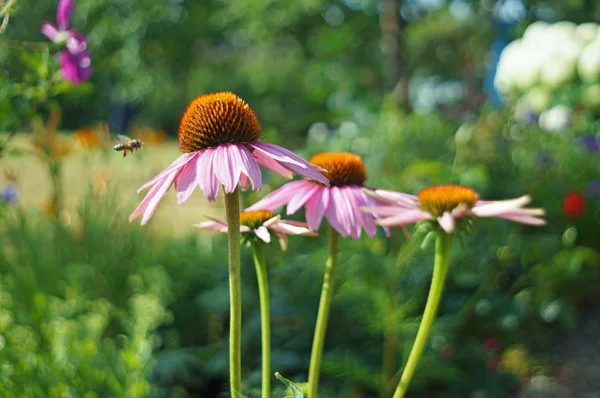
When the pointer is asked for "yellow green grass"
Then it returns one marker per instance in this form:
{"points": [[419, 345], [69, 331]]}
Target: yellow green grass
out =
{"points": [[105, 171]]}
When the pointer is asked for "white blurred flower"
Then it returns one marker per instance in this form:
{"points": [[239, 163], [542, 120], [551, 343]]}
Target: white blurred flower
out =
{"points": [[556, 119], [587, 32], [589, 62]]}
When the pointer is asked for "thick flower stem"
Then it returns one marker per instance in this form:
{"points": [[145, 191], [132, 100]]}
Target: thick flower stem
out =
{"points": [[323, 315], [258, 250], [440, 269], [232, 207]]}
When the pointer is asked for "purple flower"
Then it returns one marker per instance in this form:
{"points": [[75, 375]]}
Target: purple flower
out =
{"points": [[75, 60], [593, 188], [9, 194], [591, 142]]}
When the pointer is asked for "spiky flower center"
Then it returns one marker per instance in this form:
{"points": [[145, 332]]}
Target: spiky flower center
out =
{"points": [[343, 168], [216, 119], [256, 218], [441, 198]]}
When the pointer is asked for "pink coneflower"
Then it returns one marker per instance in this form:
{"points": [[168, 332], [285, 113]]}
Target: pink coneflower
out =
{"points": [[340, 202], [446, 204], [219, 134], [75, 60], [257, 223]]}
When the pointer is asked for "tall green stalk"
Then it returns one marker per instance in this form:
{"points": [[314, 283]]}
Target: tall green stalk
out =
{"points": [[440, 269], [232, 207], [258, 251], [323, 315]]}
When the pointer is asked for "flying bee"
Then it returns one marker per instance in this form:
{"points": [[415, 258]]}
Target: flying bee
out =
{"points": [[127, 144]]}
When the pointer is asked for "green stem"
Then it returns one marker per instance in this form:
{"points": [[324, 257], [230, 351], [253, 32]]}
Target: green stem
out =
{"points": [[232, 207], [323, 315], [440, 269], [258, 250]]}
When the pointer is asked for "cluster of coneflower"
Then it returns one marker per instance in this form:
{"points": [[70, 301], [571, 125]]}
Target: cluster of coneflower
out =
{"points": [[220, 137]]}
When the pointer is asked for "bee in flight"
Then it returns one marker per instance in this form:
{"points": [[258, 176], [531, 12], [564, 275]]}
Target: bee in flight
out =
{"points": [[127, 144]]}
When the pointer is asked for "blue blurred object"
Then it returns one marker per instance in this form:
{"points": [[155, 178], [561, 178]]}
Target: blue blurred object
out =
{"points": [[507, 13], [9, 194], [119, 116]]}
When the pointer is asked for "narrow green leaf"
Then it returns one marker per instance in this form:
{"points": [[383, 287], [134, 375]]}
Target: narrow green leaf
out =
{"points": [[291, 386]]}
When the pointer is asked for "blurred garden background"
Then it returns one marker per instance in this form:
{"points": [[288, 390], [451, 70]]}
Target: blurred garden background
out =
{"points": [[499, 95]]}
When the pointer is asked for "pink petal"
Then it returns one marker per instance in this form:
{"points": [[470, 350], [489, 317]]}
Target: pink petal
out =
{"points": [[447, 222], [225, 169], [249, 167], [187, 179], [315, 208], [383, 211], [523, 219], [302, 197], [405, 218], [279, 197], [152, 198], [287, 227], [245, 182], [177, 164], [272, 165], [49, 30], [366, 219], [271, 221], [393, 198], [263, 234], [336, 213], [495, 208], [290, 161], [64, 12], [212, 226], [208, 181]]}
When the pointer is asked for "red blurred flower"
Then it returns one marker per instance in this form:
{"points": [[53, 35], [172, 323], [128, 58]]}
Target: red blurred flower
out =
{"points": [[574, 204], [446, 351], [490, 344]]}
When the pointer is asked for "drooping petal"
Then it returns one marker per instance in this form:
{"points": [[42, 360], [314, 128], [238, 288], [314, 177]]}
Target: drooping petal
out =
{"points": [[249, 167], [50, 30], [315, 208], [393, 198], [224, 168], [208, 181], [177, 164], [292, 228], [263, 234], [245, 182], [447, 222], [187, 179], [523, 219], [336, 213], [495, 208], [64, 12], [367, 220], [404, 218], [153, 197], [272, 165], [272, 220], [278, 198], [290, 161], [212, 226], [302, 196], [382, 211]]}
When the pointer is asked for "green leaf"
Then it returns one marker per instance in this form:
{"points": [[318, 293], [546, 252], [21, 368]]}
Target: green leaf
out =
{"points": [[291, 386]]}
